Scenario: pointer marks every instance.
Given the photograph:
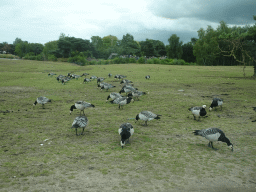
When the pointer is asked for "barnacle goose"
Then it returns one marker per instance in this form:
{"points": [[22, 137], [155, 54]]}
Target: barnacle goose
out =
{"points": [[146, 116], [80, 105], [42, 100], [136, 94], [198, 111], [80, 122], [147, 77], [86, 80], [85, 74], [121, 101], [125, 131], [215, 103], [109, 75], [107, 86], [51, 74], [125, 81], [113, 96], [100, 79], [101, 84], [127, 89], [93, 77], [214, 134]]}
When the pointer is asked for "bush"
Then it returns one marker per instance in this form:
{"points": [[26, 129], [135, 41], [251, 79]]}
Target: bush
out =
{"points": [[52, 58], [150, 61], [156, 61], [132, 60], [178, 62], [142, 60], [78, 59]]}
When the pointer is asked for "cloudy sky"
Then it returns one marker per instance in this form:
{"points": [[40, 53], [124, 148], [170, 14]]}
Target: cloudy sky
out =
{"points": [[41, 21]]}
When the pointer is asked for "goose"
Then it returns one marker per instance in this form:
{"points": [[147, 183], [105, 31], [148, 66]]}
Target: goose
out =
{"points": [[107, 86], [121, 76], [215, 103], [127, 89], [100, 79], [101, 84], [51, 74], [126, 81], [93, 77], [147, 77], [42, 100], [85, 74], [136, 94], [113, 96], [146, 116], [64, 80], [80, 105], [214, 134], [60, 77], [121, 101], [86, 80], [198, 111], [80, 122], [125, 131], [109, 75]]}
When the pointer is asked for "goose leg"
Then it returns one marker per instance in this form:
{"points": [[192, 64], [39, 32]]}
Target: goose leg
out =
{"points": [[194, 117], [82, 132], [213, 147]]}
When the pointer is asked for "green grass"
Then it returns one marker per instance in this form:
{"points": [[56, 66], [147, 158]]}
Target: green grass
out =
{"points": [[38, 143]]}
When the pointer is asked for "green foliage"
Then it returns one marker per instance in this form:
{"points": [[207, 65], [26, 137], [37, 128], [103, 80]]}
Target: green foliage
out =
{"points": [[8, 56], [174, 49], [132, 60], [141, 60], [52, 58], [179, 62]]}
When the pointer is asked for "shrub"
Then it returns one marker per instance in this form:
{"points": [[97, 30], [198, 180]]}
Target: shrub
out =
{"points": [[52, 58], [142, 60], [132, 60], [156, 61], [150, 61], [78, 59], [178, 62]]}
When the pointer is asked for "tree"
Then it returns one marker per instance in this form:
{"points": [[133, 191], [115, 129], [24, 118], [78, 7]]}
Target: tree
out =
{"points": [[187, 52], [128, 46], [174, 49], [51, 48]]}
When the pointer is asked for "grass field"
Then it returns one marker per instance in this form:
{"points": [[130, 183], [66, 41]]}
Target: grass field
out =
{"points": [[39, 151]]}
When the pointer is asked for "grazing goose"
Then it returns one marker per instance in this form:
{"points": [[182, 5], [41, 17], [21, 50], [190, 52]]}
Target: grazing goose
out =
{"points": [[80, 122], [127, 89], [198, 111], [64, 80], [86, 80], [42, 100], [107, 86], [51, 74], [113, 96], [93, 77], [126, 81], [214, 134], [85, 74], [121, 101], [146, 116], [100, 79], [101, 84], [60, 77], [125, 131], [80, 105], [136, 94], [109, 75], [215, 103], [147, 77]]}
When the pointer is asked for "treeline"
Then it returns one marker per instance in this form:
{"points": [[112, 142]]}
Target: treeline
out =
{"points": [[222, 46]]}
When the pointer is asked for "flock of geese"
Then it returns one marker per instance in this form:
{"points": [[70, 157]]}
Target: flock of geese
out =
{"points": [[126, 130]]}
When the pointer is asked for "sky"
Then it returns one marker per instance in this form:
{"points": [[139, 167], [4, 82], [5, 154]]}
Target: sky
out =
{"points": [[41, 21]]}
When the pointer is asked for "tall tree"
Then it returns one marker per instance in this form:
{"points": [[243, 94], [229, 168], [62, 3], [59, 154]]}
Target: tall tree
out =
{"points": [[129, 46], [174, 50]]}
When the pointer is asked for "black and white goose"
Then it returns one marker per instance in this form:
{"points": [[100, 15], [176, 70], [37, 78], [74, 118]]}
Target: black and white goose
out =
{"points": [[100, 79], [93, 77], [51, 74], [136, 94], [126, 81], [214, 134], [215, 103], [127, 89], [85, 74], [80, 122], [109, 75], [42, 100], [81, 105], [107, 86], [125, 131], [113, 96], [86, 80], [121, 101], [198, 111], [147, 77], [146, 116]]}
